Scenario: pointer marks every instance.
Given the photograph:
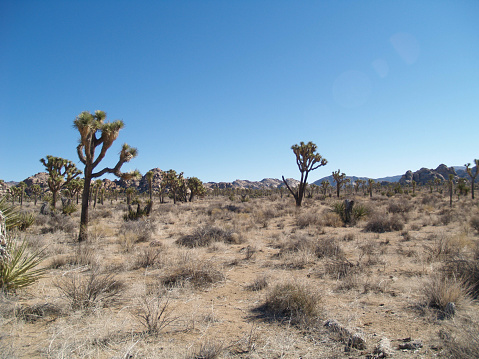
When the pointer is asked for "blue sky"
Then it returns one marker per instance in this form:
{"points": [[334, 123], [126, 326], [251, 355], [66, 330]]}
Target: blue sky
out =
{"points": [[221, 90]]}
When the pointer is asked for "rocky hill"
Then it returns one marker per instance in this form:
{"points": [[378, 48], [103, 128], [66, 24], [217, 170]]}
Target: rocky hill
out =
{"points": [[243, 184], [424, 175]]}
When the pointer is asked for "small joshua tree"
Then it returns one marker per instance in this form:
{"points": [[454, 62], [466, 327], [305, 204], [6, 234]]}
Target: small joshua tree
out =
{"points": [[149, 177], [60, 173], [450, 184], [339, 178], [173, 181], [36, 191], [94, 132], [370, 187], [472, 174], [74, 187], [324, 187], [196, 187], [307, 160]]}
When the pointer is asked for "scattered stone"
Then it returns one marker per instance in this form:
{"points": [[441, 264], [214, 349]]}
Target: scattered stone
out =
{"points": [[449, 310], [354, 340], [357, 341], [412, 345], [383, 348]]}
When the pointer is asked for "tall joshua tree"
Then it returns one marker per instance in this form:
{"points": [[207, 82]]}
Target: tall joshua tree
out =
{"points": [[196, 187], [60, 173], [370, 187], [95, 132], [149, 177], [472, 175], [339, 178], [307, 160]]}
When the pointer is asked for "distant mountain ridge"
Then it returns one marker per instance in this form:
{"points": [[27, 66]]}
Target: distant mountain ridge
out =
{"points": [[421, 176]]}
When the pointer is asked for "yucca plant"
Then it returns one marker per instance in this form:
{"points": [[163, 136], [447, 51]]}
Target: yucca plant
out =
{"points": [[19, 269], [13, 218]]}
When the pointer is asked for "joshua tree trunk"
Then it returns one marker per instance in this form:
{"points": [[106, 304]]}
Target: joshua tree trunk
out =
{"points": [[84, 206]]}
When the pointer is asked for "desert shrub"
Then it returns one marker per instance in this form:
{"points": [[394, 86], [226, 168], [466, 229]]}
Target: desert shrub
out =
{"points": [[474, 222], [258, 284], [205, 235], [82, 256], [331, 219], [398, 207], [306, 219], [340, 268], [69, 209], [138, 213], [91, 290], [322, 247], [199, 274], [147, 257], [358, 212], [207, 350], [382, 223], [154, 314], [461, 341], [140, 231], [59, 222], [467, 271], [440, 290], [32, 313], [293, 302]]}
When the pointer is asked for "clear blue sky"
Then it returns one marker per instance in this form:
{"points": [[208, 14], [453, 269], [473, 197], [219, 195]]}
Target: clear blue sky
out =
{"points": [[221, 90]]}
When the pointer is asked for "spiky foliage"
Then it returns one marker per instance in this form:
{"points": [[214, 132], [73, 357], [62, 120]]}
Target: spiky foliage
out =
{"points": [[17, 267], [20, 269], [13, 218], [339, 179], [60, 172], [324, 187], [196, 187], [472, 174], [307, 160], [95, 132]]}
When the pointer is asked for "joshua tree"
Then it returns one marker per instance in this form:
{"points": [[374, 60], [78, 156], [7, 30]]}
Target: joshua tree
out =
{"points": [[370, 187], [413, 183], [307, 160], [339, 178], [450, 183], [129, 192], [89, 125], [60, 173], [36, 191], [22, 185], [149, 177], [196, 187], [325, 186], [472, 175], [173, 181], [74, 187]]}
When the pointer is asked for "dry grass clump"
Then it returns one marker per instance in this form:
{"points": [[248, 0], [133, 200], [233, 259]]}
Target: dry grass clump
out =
{"points": [[320, 248], [58, 222], [84, 291], [292, 302], [467, 270], [306, 219], [382, 223], [440, 290], [207, 350], [331, 219], [137, 231], [461, 340], [474, 222], [32, 313], [399, 207], [206, 235], [198, 274], [258, 284], [147, 257], [154, 314]]}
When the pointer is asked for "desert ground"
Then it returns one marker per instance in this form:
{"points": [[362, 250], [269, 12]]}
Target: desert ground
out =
{"points": [[258, 277]]}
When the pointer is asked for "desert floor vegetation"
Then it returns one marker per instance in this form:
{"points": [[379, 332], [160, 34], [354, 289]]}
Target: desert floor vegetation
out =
{"points": [[222, 278]]}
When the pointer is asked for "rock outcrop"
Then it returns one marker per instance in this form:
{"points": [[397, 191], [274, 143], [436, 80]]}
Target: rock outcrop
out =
{"points": [[424, 175]]}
